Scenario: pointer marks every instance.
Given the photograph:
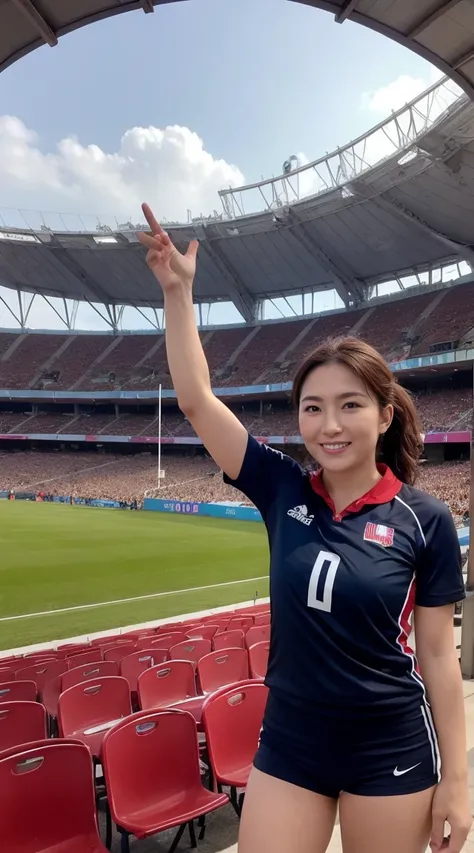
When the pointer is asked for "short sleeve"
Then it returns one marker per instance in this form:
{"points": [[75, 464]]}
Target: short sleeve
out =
{"points": [[439, 577], [264, 471]]}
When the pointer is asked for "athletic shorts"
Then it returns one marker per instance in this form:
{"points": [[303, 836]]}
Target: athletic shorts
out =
{"points": [[375, 755]]}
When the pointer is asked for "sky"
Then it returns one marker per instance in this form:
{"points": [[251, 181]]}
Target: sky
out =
{"points": [[170, 107]]}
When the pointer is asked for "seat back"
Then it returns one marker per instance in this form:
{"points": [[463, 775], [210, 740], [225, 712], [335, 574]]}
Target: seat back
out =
{"points": [[98, 669], [7, 673], [134, 664], [258, 659], [240, 622], [18, 691], [118, 651], [202, 632], [47, 796], [257, 634], [232, 720], [229, 640], [166, 683], [150, 759], [262, 619], [21, 722], [41, 673], [92, 703], [83, 658], [192, 650], [225, 666], [162, 641]]}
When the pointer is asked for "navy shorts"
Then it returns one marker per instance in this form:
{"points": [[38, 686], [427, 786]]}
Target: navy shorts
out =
{"points": [[370, 755]]}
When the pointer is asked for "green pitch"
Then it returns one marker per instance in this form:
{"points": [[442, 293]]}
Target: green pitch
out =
{"points": [[54, 556]]}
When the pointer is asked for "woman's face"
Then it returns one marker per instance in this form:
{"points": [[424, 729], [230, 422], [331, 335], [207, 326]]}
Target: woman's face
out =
{"points": [[340, 422]]}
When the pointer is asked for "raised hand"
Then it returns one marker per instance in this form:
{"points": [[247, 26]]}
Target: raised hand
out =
{"points": [[170, 267]]}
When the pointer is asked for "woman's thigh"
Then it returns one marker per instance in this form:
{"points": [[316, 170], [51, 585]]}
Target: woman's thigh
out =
{"points": [[389, 824], [279, 817]]}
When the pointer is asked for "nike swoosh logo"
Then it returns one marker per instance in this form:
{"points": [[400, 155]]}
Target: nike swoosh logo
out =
{"points": [[398, 772]]}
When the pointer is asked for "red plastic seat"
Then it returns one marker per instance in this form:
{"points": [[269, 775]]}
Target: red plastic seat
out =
{"points": [[162, 641], [98, 669], [48, 800], [86, 711], [152, 774], [50, 694], [229, 640], [21, 722], [132, 666], [166, 683], [118, 652], [192, 650], [225, 666], [257, 634], [7, 673], [83, 658], [240, 622], [258, 659], [232, 720], [202, 632], [41, 673], [262, 619], [18, 691]]}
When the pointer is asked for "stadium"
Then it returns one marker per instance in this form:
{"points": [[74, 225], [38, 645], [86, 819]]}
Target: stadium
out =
{"points": [[90, 429]]}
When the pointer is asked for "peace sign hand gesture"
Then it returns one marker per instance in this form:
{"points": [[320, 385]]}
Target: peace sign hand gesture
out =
{"points": [[170, 267]]}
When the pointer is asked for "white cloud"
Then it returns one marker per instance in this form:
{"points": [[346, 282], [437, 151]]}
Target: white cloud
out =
{"points": [[394, 95], [168, 167]]}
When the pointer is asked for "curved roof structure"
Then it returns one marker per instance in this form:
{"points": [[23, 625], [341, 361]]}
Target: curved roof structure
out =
{"points": [[412, 211], [441, 31]]}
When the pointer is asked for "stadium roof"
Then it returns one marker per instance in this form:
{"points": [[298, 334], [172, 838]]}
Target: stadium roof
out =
{"points": [[411, 212], [441, 31]]}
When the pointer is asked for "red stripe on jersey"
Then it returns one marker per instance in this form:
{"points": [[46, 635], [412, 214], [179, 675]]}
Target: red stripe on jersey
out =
{"points": [[405, 626], [384, 491]]}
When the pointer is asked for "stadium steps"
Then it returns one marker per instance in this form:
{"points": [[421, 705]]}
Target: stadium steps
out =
{"points": [[253, 332], [46, 366], [285, 352]]}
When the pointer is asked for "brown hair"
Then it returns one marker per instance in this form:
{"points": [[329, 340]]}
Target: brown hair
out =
{"points": [[401, 446]]}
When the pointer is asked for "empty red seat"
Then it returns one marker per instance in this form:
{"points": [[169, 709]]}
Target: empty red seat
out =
{"points": [[132, 666], [118, 652], [203, 632], [258, 659], [152, 774], [262, 619], [192, 650], [229, 640], [257, 634], [225, 666], [41, 673], [7, 673], [18, 691], [48, 800], [166, 683], [86, 711], [21, 722], [84, 658], [99, 669], [232, 720], [242, 622]]}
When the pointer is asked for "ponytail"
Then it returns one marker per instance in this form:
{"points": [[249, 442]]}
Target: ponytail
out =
{"points": [[401, 446]]}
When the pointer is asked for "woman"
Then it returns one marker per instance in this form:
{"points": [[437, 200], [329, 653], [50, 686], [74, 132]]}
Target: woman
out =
{"points": [[354, 549]]}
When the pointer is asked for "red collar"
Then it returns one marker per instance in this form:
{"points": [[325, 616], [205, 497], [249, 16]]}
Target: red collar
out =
{"points": [[383, 491]]}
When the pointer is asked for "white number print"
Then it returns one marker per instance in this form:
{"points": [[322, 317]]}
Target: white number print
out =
{"points": [[329, 561]]}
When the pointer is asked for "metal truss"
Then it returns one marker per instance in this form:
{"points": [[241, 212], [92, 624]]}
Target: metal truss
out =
{"points": [[336, 170]]}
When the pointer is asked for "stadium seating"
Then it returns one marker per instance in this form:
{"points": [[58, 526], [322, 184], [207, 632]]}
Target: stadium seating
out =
{"points": [[232, 720], [167, 684], [21, 722], [153, 778], [48, 799], [223, 667], [18, 691], [258, 659], [87, 710]]}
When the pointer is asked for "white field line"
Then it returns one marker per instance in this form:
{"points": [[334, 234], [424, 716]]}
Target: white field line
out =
{"points": [[128, 600]]}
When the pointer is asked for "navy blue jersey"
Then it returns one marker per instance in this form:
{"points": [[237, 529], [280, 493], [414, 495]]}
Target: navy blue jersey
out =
{"points": [[343, 588]]}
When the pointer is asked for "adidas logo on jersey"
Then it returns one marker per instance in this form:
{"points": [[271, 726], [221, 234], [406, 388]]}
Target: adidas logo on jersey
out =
{"points": [[301, 514]]}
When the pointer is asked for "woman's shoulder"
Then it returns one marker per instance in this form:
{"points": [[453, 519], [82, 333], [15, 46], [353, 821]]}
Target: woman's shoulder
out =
{"points": [[429, 510]]}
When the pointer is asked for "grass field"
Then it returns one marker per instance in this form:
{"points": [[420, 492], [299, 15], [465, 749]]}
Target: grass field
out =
{"points": [[57, 556]]}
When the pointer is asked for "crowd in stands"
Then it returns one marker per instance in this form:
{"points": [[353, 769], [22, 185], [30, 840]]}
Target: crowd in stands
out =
{"points": [[191, 478], [439, 411], [244, 355]]}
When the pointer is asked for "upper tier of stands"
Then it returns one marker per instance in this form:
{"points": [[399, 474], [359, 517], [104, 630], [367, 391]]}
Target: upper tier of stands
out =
{"points": [[438, 412], [243, 355]]}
